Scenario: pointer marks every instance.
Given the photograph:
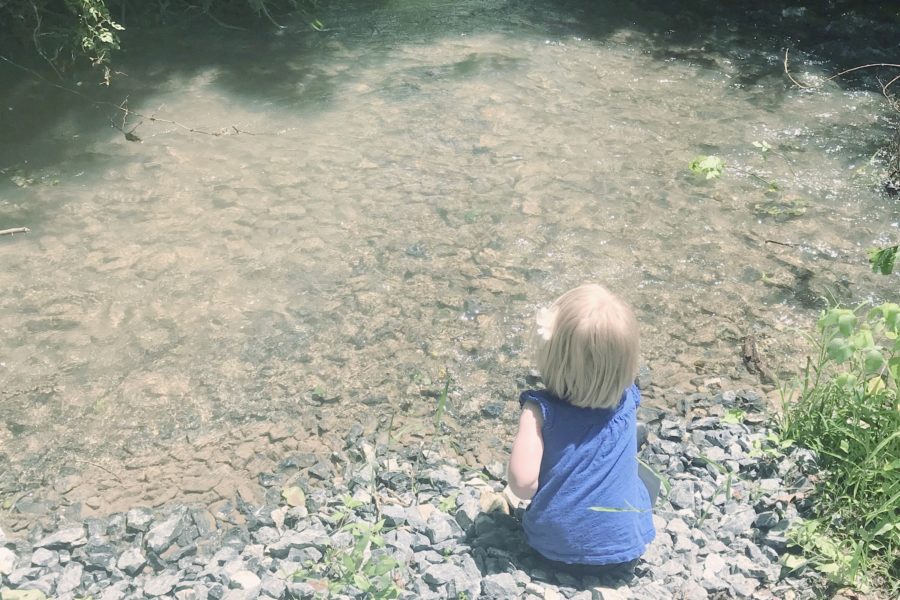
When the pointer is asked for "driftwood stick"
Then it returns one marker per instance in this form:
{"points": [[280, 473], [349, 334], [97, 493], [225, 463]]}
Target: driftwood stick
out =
{"points": [[14, 230]]}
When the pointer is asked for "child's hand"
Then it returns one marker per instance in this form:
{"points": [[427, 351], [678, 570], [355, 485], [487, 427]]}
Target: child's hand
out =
{"points": [[512, 500]]}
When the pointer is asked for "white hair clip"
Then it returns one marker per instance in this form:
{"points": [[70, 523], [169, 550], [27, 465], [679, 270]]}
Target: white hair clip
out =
{"points": [[546, 323]]}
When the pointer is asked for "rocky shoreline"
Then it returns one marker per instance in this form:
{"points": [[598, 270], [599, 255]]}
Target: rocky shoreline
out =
{"points": [[408, 521]]}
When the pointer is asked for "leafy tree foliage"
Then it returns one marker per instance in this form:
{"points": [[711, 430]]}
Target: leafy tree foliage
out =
{"points": [[68, 32]]}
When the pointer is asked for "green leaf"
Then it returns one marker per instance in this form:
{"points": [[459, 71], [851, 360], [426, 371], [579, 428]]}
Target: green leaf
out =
{"points": [[709, 166], [846, 322], [846, 380], [885, 528], [362, 582], [882, 259], [873, 360], [794, 562], [839, 350], [442, 404], [348, 562], [890, 313], [606, 509], [830, 568], [734, 416], [384, 565]]}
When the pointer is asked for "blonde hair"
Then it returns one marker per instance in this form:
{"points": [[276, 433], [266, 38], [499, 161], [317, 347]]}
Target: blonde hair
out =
{"points": [[586, 347]]}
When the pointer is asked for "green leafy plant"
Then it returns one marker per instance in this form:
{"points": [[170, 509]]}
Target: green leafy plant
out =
{"points": [[734, 416], [710, 167], [355, 567], [763, 147], [848, 413], [97, 33], [345, 511], [882, 259], [448, 503], [66, 32], [838, 558], [772, 447]]}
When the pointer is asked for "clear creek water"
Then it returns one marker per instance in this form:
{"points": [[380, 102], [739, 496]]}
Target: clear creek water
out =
{"points": [[391, 199]]}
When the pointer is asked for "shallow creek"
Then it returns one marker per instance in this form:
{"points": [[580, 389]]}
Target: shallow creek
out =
{"points": [[386, 204]]}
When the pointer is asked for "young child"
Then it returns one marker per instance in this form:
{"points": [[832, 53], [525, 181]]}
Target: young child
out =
{"points": [[576, 448]]}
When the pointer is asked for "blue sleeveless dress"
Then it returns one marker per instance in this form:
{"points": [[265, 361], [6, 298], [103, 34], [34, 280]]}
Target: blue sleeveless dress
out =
{"points": [[589, 461]]}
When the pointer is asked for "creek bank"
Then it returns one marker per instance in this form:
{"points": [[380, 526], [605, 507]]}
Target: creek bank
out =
{"points": [[450, 529]]}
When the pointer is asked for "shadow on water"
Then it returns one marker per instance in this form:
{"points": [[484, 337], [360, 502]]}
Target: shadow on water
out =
{"points": [[290, 67]]}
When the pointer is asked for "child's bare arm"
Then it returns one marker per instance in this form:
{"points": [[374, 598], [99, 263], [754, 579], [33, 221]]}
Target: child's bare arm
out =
{"points": [[527, 451]]}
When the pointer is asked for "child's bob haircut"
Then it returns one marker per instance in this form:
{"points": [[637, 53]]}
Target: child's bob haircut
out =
{"points": [[586, 347]]}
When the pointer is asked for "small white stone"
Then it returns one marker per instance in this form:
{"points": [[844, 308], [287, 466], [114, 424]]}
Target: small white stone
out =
{"points": [[245, 580], [7, 561], [551, 594], [608, 593], [713, 565]]}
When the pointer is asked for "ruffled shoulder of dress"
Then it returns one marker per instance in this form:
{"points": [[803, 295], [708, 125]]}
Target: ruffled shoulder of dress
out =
{"points": [[539, 396], [544, 399]]}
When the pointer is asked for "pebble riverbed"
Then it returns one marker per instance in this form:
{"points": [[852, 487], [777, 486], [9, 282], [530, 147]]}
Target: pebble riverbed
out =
{"points": [[452, 530]]}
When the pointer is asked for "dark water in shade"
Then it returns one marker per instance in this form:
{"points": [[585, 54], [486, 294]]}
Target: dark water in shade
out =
{"points": [[392, 198]]}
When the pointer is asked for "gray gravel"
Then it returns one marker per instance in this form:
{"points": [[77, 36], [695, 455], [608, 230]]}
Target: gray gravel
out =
{"points": [[720, 529]]}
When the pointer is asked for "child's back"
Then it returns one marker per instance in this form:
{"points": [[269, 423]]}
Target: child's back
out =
{"points": [[590, 508], [575, 453]]}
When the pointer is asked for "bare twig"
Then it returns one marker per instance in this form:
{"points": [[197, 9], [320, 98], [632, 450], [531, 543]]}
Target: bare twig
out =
{"points": [[101, 467], [892, 100], [129, 135], [885, 87], [265, 11], [787, 72], [763, 180], [37, 43], [221, 23], [892, 65], [836, 75], [780, 243], [14, 230], [124, 108]]}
